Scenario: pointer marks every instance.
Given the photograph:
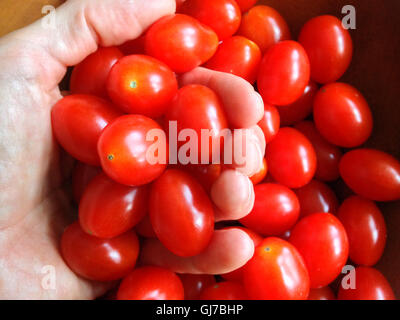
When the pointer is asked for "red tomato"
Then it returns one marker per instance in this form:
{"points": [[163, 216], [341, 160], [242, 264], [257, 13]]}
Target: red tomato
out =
{"points": [[99, 259], [206, 175], [276, 272], [329, 47], [151, 283], [316, 197], [276, 209], [81, 176], [370, 284], [265, 26], [143, 85], [291, 158], [144, 228], [78, 121], [284, 73], [372, 174], [245, 5], [90, 76], [301, 108], [324, 293], [239, 56], [194, 284], [180, 41], [366, 229], [342, 115], [181, 213], [123, 150], [226, 290], [223, 16], [322, 241], [197, 107], [270, 122], [135, 46], [328, 155], [108, 209], [260, 175]]}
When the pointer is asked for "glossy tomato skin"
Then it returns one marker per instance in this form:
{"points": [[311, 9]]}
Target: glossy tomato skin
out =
{"points": [[316, 197], [328, 155], [276, 210], [194, 284], [270, 122], [141, 84], [225, 290], [366, 230], [90, 76], [284, 73], [237, 55], [181, 213], [223, 16], [108, 209], [81, 176], [342, 115], [245, 5], [197, 107], [123, 151], [291, 158], [372, 174], [99, 259], [276, 272], [324, 293], [265, 26], [151, 283], [301, 108], [180, 41], [329, 47], [260, 175], [205, 174], [78, 121], [322, 241]]}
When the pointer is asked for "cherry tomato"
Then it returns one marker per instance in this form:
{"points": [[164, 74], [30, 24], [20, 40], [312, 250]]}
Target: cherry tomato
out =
{"points": [[226, 290], [370, 284], [270, 122], [180, 41], [90, 76], [265, 26], [239, 56], [322, 241], [284, 73], [324, 293], [291, 158], [99, 259], [372, 174], [135, 46], [328, 155], [301, 108], [78, 121], [223, 16], [151, 283], [145, 229], [366, 229], [260, 175], [197, 107], [245, 5], [276, 209], [108, 209], [123, 149], [194, 284], [141, 84], [181, 213], [316, 197], [342, 115], [329, 47], [205, 174], [81, 176], [276, 272]]}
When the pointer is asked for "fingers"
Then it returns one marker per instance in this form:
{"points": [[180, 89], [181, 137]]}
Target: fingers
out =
{"points": [[228, 250], [244, 107]]}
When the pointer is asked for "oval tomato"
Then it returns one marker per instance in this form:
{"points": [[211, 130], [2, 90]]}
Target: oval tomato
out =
{"points": [[260, 175], [78, 121], [181, 213], [284, 73], [270, 122], [324, 293], [81, 176], [180, 41], [99, 259], [194, 284], [225, 290]]}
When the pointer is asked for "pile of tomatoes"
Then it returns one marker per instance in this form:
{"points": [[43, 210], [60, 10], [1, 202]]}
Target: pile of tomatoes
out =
{"points": [[303, 237]]}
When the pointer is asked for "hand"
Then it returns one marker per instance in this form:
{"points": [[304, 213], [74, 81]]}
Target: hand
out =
{"points": [[34, 207]]}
